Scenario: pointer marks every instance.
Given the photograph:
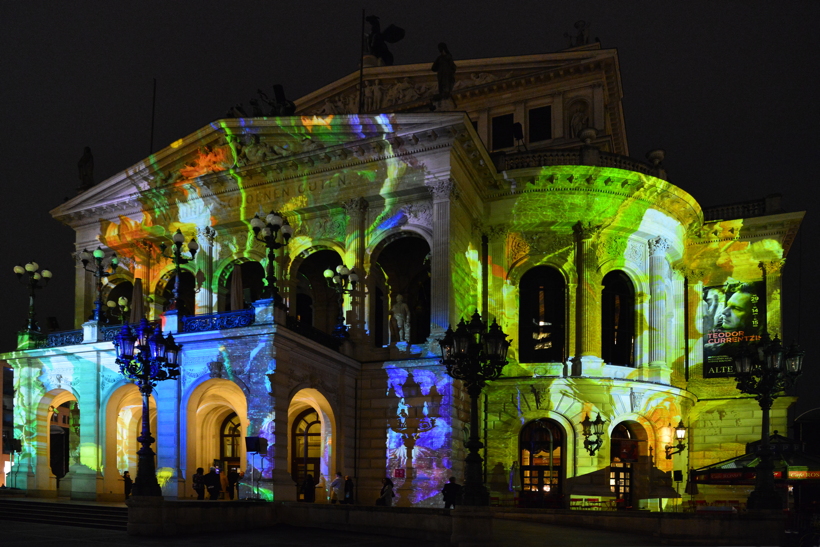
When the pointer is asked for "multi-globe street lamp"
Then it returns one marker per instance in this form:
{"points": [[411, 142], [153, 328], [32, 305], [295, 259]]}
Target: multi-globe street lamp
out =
{"points": [[338, 281], [179, 260], [146, 357], [101, 270], [765, 370], [267, 231], [34, 280], [474, 355]]}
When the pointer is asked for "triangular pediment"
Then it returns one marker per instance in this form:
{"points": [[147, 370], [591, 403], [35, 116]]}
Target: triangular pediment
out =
{"points": [[274, 148]]}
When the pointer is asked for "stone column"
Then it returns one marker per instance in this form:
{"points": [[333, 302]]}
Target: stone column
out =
{"points": [[169, 445], [85, 472], [441, 305], [658, 331], [773, 322], [356, 210], [587, 359], [206, 299]]}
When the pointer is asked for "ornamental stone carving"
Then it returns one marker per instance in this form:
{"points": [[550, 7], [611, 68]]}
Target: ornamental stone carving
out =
{"points": [[547, 243], [772, 266], [419, 213], [332, 228], [497, 231], [355, 206], [586, 229], [517, 248], [635, 253]]}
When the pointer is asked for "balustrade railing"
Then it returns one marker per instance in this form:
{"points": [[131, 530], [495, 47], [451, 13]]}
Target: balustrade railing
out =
{"points": [[217, 321], [312, 333], [62, 338]]}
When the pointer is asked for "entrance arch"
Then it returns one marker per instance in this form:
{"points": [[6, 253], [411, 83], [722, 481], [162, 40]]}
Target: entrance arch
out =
{"points": [[311, 410], [629, 462], [210, 405], [542, 457]]}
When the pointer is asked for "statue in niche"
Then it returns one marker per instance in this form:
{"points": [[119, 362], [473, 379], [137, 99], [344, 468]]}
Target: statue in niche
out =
{"points": [[86, 170], [375, 42], [400, 322], [280, 105], [445, 69]]}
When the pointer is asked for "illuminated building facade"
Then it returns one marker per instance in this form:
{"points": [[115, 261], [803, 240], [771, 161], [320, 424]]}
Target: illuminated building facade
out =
{"points": [[620, 299]]}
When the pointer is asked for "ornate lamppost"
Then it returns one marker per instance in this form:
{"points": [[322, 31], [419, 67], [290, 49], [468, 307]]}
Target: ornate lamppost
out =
{"points": [[593, 433], [99, 270], [179, 260], [765, 370], [267, 231], [119, 309], [339, 281], [34, 280], [474, 355], [146, 358]]}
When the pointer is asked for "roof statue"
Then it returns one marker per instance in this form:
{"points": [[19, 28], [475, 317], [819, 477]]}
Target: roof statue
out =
{"points": [[280, 105], [445, 70], [582, 37], [86, 170], [375, 42]]}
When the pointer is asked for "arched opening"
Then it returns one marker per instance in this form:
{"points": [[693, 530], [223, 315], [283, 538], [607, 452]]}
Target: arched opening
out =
{"points": [[64, 433], [245, 284], [401, 277], [542, 309], [625, 453], [317, 305], [618, 320], [187, 293], [542, 463], [312, 434], [217, 423]]}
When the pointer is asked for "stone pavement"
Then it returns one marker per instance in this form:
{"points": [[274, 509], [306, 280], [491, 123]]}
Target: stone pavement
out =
{"points": [[506, 533]]}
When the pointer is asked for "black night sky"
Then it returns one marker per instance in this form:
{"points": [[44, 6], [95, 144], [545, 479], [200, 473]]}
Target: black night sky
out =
{"points": [[728, 89]]}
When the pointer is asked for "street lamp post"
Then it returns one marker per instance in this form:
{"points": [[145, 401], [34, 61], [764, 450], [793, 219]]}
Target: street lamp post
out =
{"points": [[179, 260], [146, 358], [765, 370], [267, 231], [339, 281], [593, 434], [99, 270], [34, 280], [474, 355]]}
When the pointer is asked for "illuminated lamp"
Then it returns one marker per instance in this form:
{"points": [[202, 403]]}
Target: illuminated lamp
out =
{"points": [[474, 355], [34, 280], [100, 269], [178, 239], [268, 232], [339, 282], [794, 359], [680, 435]]}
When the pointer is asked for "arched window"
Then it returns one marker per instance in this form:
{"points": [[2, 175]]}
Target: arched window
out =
{"points": [[230, 436], [187, 293], [306, 437], [618, 320], [542, 308], [542, 462]]}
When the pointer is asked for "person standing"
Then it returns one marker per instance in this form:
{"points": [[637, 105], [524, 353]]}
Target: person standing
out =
{"points": [[233, 479], [386, 495], [213, 483], [337, 489], [451, 493], [199, 483], [348, 490], [128, 484]]}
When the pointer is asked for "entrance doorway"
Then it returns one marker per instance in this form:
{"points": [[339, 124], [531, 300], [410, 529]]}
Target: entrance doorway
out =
{"points": [[624, 453], [307, 447], [542, 463]]}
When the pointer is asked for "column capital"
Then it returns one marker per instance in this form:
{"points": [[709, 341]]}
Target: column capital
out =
{"points": [[442, 189], [769, 267], [658, 246], [355, 206], [585, 229]]}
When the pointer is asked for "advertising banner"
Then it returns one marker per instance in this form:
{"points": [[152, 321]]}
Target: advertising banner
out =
{"points": [[732, 313]]}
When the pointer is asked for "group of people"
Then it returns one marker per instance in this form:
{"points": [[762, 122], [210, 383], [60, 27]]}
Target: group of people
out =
{"points": [[212, 483], [451, 494], [341, 489]]}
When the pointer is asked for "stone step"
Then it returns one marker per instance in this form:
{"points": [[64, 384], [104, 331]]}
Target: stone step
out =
{"points": [[65, 514]]}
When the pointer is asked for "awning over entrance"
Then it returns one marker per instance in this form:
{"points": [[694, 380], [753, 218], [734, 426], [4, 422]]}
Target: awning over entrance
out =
{"points": [[790, 464]]}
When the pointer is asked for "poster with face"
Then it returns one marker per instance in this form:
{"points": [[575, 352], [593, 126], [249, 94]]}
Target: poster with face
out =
{"points": [[732, 313]]}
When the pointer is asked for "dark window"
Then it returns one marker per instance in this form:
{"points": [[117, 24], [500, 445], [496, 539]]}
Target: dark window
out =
{"points": [[542, 305], [306, 442], [540, 123], [542, 462], [503, 131], [618, 320], [231, 436]]}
